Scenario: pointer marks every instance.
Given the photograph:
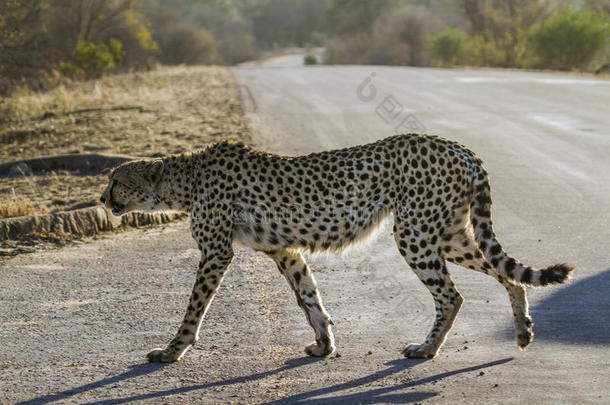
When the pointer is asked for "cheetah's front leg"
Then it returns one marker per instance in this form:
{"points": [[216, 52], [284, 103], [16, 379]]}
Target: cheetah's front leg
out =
{"points": [[209, 276]]}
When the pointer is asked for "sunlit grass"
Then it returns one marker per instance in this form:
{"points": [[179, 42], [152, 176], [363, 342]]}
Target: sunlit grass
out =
{"points": [[155, 90], [24, 103], [17, 206]]}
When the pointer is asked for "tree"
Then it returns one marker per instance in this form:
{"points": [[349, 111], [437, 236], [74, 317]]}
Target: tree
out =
{"points": [[498, 23], [23, 51], [82, 30], [568, 40], [346, 17]]}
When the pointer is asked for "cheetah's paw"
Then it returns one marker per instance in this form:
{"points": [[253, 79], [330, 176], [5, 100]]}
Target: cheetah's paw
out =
{"points": [[524, 339], [162, 356], [417, 351], [317, 349]]}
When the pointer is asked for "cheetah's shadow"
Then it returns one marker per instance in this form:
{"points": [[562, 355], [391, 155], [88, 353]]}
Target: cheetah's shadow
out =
{"points": [[383, 394], [149, 368]]}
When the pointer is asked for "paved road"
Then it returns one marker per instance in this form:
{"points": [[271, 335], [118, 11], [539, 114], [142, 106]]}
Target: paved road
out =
{"points": [[76, 323], [545, 139]]}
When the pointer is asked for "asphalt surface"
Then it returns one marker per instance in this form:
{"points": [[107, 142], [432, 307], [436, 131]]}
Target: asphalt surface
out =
{"points": [[76, 323]]}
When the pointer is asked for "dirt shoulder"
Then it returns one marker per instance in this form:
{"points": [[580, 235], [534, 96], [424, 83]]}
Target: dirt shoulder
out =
{"points": [[170, 110]]}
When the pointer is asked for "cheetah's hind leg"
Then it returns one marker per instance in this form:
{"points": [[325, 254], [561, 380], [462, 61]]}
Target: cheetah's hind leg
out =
{"points": [[296, 271], [462, 249], [426, 261]]}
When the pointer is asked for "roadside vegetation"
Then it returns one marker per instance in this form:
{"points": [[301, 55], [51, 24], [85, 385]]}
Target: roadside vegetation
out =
{"points": [[541, 34], [44, 43], [16, 206], [82, 76]]}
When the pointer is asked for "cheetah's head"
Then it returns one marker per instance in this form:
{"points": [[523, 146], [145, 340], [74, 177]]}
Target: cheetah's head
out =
{"points": [[133, 187]]}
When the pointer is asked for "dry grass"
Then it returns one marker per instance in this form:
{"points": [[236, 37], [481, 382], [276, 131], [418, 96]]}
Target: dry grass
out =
{"points": [[54, 191], [180, 86], [179, 109], [23, 103], [16, 206], [26, 104]]}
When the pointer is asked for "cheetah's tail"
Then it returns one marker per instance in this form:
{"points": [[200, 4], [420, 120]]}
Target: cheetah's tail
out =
{"points": [[480, 216]]}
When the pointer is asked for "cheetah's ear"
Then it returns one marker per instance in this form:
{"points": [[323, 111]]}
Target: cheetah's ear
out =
{"points": [[154, 172]]}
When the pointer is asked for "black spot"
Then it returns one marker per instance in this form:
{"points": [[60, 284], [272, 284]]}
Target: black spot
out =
{"points": [[509, 266]]}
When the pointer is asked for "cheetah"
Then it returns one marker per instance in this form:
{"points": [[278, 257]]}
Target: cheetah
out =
{"points": [[436, 189]]}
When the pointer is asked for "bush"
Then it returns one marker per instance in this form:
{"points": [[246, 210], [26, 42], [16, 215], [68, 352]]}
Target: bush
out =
{"points": [[354, 49], [137, 39], [91, 60], [479, 51], [449, 47], [180, 41], [310, 59], [399, 38], [396, 38], [454, 47], [188, 45], [568, 40]]}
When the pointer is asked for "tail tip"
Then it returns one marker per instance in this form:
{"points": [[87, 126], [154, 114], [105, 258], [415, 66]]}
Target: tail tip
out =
{"points": [[556, 274]]}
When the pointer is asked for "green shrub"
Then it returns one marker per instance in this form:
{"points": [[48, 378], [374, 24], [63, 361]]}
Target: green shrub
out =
{"points": [[186, 44], [568, 40], [481, 52], [310, 59], [116, 50], [454, 47], [448, 48], [92, 60]]}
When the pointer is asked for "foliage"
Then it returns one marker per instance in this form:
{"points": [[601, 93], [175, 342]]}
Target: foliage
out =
{"points": [[470, 32], [396, 37], [494, 28], [347, 17], [21, 47], [92, 60], [310, 59], [518, 33], [135, 33], [278, 23], [316, 38], [449, 47], [353, 49], [232, 34], [568, 40], [243, 28], [188, 45], [87, 38], [180, 41]]}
